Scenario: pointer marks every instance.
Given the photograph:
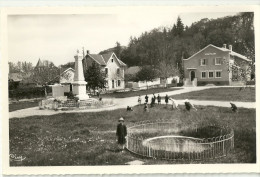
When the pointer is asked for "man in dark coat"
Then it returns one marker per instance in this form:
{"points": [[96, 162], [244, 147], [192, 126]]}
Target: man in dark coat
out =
{"points": [[146, 98], [121, 133]]}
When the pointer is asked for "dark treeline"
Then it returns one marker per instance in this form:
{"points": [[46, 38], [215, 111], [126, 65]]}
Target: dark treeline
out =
{"points": [[167, 46]]}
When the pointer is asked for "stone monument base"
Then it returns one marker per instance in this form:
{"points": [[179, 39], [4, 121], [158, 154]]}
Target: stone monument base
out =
{"points": [[82, 97]]}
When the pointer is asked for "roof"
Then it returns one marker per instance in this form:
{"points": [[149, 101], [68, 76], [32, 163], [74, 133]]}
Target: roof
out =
{"points": [[42, 63], [16, 77], [232, 53], [104, 58], [68, 70], [132, 70]]}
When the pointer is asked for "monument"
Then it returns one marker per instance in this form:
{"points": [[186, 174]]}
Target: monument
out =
{"points": [[79, 84]]}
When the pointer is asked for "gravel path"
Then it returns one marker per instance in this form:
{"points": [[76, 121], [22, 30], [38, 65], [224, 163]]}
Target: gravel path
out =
{"points": [[132, 101]]}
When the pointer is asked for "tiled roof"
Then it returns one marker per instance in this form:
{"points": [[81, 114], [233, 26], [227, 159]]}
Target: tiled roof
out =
{"points": [[225, 50], [98, 58], [103, 59]]}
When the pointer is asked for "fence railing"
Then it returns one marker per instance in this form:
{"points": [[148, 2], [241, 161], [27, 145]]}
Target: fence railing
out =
{"points": [[165, 140]]}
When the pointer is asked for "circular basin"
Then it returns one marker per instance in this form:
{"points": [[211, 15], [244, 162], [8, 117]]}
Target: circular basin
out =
{"points": [[176, 144]]}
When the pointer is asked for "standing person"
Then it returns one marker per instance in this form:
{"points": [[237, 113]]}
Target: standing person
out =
{"points": [[159, 99], [139, 100], [152, 101], [121, 133], [166, 100], [146, 98]]}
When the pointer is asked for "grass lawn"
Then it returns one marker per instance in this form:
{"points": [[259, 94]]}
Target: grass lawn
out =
{"points": [[89, 138], [221, 94], [22, 105], [137, 93]]}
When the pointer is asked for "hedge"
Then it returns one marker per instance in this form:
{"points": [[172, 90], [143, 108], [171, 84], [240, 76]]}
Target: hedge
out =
{"points": [[29, 92]]}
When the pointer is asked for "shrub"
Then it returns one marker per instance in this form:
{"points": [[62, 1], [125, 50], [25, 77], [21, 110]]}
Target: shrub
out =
{"points": [[29, 92]]}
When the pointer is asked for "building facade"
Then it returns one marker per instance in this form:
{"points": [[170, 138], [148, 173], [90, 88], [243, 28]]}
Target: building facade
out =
{"points": [[214, 65], [113, 68]]}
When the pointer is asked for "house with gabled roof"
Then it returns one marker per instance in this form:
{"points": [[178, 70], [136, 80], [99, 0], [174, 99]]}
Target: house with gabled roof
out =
{"points": [[214, 65], [113, 67]]}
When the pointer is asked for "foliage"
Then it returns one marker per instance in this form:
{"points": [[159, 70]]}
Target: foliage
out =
{"points": [[147, 73], [171, 45], [95, 77], [29, 92], [46, 74]]}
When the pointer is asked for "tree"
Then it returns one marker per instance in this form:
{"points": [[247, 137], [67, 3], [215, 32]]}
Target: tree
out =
{"points": [[95, 77], [167, 70], [118, 49], [147, 73], [45, 74], [179, 27]]}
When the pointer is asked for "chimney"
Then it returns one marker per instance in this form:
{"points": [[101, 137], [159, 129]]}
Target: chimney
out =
{"points": [[225, 46], [230, 47], [87, 52]]}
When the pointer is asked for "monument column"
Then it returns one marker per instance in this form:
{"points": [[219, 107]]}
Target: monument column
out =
{"points": [[79, 84]]}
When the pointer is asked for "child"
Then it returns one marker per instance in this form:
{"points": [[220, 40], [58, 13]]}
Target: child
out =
{"points": [[121, 133], [174, 104], [139, 100], [188, 105], [145, 107], [159, 99]]}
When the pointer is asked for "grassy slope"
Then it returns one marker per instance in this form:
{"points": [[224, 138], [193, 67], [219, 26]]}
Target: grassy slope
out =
{"points": [[89, 138], [222, 94]]}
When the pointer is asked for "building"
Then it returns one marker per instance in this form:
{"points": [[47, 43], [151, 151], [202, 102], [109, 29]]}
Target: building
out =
{"points": [[113, 67], [212, 65]]}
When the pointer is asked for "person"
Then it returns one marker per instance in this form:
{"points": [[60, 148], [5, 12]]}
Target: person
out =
{"points": [[129, 108], [139, 100], [146, 98], [152, 101], [233, 107], [146, 107], [166, 99], [174, 103], [189, 105], [121, 133], [159, 99]]}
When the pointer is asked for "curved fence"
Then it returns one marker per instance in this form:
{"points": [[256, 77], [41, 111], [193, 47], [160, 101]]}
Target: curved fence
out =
{"points": [[165, 139]]}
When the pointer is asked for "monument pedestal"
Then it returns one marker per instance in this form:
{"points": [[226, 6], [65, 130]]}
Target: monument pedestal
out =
{"points": [[79, 84]]}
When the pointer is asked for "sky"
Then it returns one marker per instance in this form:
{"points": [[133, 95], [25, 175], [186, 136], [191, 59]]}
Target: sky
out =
{"points": [[57, 37]]}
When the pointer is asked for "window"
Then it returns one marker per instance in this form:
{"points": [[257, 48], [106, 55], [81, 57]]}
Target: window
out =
{"points": [[118, 83], [112, 60], [203, 62], [118, 71], [211, 74], [218, 74], [218, 61], [106, 71], [203, 74]]}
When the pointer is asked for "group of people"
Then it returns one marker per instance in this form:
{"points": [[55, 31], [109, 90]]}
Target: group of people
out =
{"points": [[175, 104]]}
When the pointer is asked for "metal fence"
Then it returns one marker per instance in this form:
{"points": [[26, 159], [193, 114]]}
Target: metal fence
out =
{"points": [[148, 139]]}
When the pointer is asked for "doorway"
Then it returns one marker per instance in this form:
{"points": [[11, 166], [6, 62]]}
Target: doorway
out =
{"points": [[192, 75]]}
